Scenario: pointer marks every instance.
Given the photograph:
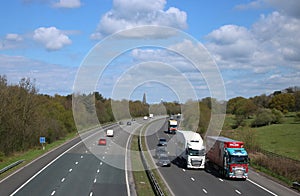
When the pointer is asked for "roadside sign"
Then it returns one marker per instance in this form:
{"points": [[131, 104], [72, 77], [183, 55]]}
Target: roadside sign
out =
{"points": [[42, 140]]}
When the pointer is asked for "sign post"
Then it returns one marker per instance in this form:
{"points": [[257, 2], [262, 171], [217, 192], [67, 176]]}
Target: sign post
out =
{"points": [[43, 141]]}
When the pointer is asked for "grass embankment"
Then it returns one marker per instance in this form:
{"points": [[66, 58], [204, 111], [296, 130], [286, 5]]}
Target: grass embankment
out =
{"points": [[30, 155], [282, 139]]}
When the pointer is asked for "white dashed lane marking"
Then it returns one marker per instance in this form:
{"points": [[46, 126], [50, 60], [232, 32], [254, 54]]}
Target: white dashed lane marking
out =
{"points": [[205, 191], [238, 192]]}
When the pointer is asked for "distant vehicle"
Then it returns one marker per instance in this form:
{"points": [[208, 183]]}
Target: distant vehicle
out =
{"points": [[145, 117], [190, 149], [172, 126], [120, 123], [128, 123], [162, 142], [160, 150], [164, 161], [228, 156], [151, 115], [110, 133], [102, 142]]}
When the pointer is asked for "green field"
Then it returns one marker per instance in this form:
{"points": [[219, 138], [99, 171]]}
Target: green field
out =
{"points": [[282, 139]]}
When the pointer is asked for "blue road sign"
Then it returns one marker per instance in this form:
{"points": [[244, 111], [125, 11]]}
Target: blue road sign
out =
{"points": [[42, 140]]}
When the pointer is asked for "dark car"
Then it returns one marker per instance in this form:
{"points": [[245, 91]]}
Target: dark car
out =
{"points": [[160, 150], [102, 142], [162, 142], [164, 161], [128, 123]]}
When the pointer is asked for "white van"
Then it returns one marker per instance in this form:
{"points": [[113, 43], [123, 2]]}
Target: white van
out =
{"points": [[110, 133]]}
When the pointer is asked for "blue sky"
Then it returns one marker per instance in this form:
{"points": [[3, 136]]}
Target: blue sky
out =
{"points": [[255, 44]]}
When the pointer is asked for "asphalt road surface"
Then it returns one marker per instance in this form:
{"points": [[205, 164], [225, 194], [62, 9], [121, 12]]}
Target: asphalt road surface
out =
{"points": [[207, 182], [77, 168]]}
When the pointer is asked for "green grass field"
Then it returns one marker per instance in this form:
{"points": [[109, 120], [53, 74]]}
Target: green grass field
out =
{"points": [[282, 139]]}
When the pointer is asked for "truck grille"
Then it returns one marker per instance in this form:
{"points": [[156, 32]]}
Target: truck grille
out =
{"points": [[196, 162]]}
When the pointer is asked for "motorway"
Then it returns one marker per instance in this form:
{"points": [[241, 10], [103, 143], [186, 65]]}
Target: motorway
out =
{"points": [[181, 181], [78, 168]]}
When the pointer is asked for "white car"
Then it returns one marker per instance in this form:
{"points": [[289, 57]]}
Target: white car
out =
{"points": [[110, 133], [145, 117]]}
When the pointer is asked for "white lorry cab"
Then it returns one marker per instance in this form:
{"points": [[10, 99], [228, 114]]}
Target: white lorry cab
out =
{"points": [[190, 149]]}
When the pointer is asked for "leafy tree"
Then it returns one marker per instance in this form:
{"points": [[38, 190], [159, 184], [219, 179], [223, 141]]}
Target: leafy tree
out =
{"points": [[263, 117], [283, 102], [297, 100], [261, 101]]}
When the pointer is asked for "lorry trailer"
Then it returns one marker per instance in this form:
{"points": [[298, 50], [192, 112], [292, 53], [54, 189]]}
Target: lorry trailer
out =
{"points": [[227, 156]]}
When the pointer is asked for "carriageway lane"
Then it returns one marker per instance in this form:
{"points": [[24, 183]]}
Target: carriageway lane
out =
{"points": [[206, 182], [86, 169]]}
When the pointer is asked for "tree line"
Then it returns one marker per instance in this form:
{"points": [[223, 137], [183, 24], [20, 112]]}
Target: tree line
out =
{"points": [[265, 109]]}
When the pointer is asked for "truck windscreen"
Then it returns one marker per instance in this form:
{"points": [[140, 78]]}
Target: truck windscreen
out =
{"points": [[193, 152], [238, 159]]}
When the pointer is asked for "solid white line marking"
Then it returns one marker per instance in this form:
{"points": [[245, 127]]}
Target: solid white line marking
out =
{"points": [[221, 179], [53, 193], [263, 188], [205, 191], [238, 192], [192, 179], [63, 179], [70, 170]]}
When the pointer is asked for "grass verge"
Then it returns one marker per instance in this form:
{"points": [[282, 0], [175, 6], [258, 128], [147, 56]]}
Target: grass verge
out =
{"points": [[30, 155], [142, 184], [156, 173]]}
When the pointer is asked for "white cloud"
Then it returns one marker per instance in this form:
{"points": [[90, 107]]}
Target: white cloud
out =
{"points": [[11, 41], [290, 7], [13, 37], [51, 37], [268, 53], [67, 4], [127, 14], [50, 78]]}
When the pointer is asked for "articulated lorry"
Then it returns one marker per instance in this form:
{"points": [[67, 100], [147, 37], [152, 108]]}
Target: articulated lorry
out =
{"points": [[227, 156], [172, 126], [190, 149]]}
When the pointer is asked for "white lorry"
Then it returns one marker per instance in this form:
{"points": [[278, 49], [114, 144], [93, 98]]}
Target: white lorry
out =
{"points": [[190, 149], [172, 126]]}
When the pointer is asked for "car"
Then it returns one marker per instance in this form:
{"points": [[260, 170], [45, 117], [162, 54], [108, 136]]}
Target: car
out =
{"points": [[128, 123], [145, 117], [162, 142], [102, 142], [110, 133], [164, 161], [160, 150]]}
